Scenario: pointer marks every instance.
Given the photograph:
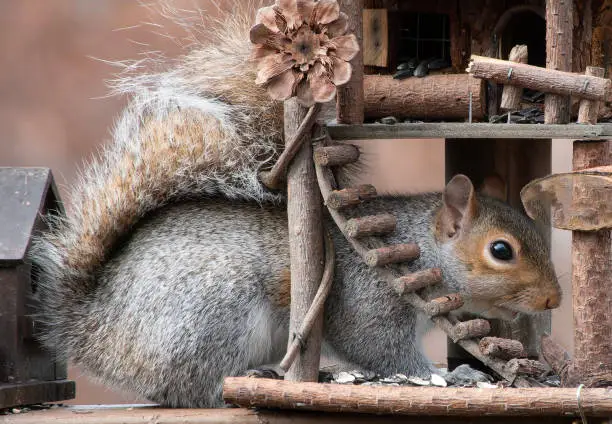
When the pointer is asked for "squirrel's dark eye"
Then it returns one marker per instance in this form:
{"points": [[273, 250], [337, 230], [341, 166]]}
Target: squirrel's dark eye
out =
{"points": [[501, 250]]}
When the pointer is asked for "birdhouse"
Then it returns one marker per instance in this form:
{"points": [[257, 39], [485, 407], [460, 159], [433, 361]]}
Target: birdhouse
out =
{"points": [[28, 373]]}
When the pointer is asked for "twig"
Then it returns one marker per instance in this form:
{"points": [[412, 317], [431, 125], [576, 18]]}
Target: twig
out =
{"points": [[316, 307], [558, 359], [274, 177]]}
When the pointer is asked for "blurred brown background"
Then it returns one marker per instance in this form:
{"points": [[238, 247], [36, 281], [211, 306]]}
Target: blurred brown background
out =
{"points": [[54, 112]]}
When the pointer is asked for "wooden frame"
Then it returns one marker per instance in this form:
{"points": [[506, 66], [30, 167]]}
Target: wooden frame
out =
{"points": [[519, 161]]}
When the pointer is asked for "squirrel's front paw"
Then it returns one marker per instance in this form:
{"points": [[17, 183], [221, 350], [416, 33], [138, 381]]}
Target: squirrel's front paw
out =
{"points": [[464, 375], [262, 373]]}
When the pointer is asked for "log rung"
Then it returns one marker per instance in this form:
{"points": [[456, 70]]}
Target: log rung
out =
{"points": [[338, 199], [371, 225], [392, 254], [443, 305], [337, 155], [417, 281], [471, 329], [501, 348]]}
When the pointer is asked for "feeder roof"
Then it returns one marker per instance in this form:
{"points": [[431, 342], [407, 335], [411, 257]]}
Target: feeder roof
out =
{"points": [[25, 194]]}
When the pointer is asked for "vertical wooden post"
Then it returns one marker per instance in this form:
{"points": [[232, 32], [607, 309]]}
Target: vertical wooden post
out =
{"points": [[305, 246], [511, 95], [350, 96], [559, 27], [591, 272]]}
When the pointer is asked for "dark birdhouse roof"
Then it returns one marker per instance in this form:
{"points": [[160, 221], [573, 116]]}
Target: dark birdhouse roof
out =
{"points": [[25, 195]]}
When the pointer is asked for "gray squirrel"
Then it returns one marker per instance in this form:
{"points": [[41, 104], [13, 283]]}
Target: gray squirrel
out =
{"points": [[172, 269]]}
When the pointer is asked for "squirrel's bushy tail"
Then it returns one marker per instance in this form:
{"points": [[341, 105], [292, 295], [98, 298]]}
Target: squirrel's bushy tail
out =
{"points": [[201, 128]]}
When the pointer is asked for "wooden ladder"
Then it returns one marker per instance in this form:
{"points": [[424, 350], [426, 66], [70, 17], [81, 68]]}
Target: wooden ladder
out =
{"points": [[503, 356]]}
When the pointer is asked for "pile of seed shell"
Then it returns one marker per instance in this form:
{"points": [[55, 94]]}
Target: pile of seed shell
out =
{"points": [[462, 376]]}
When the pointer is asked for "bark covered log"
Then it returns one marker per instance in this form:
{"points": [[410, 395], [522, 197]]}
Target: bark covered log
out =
{"points": [[305, 246], [443, 305], [524, 366], [422, 401], [349, 99], [351, 196], [541, 79], [589, 109], [557, 357], [559, 31], [591, 274], [502, 348], [432, 97], [392, 254], [471, 329], [511, 95], [417, 280], [371, 225], [337, 155]]}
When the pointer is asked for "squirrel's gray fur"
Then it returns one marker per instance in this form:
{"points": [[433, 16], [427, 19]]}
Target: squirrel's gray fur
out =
{"points": [[165, 276]]}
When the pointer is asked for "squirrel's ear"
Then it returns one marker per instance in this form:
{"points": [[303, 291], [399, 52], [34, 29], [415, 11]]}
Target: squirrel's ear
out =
{"points": [[459, 207], [494, 186]]}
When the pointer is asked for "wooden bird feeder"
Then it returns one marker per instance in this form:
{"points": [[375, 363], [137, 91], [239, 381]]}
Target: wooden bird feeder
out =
{"points": [[28, 374], [569, 44]]}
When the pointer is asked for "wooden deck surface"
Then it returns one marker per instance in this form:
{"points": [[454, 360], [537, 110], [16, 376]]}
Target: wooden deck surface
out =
{"points": [[140, 414]]}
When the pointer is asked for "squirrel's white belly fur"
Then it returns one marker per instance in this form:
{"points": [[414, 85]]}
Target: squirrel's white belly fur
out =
{"points": [[171, 270]]}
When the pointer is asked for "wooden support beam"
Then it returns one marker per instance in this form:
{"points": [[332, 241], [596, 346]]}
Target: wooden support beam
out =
{"points": [[431, 97], [541, 79], [349, 100], [559, 40], [421, 401], [305, 246]]}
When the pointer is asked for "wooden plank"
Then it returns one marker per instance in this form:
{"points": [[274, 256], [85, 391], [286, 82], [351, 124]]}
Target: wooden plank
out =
{"points": [[375, 37], [465, 130], [138, 414], [416, 401], [31, 393]]}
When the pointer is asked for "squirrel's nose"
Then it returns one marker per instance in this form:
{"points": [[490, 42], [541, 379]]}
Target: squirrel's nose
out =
{"points": [[553, 302]]}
